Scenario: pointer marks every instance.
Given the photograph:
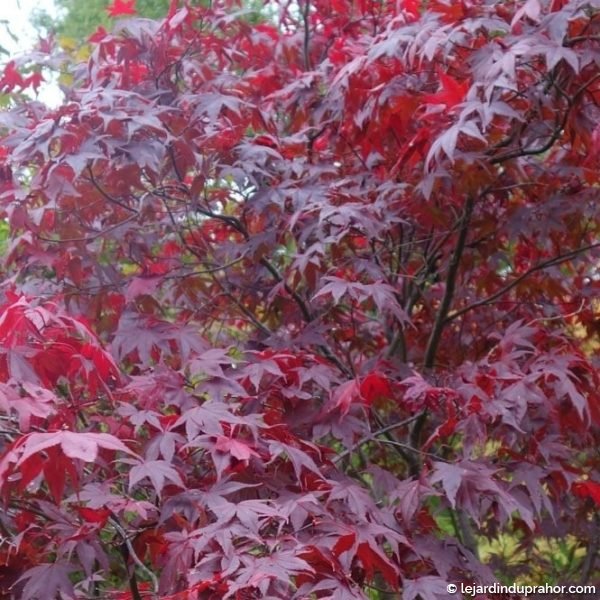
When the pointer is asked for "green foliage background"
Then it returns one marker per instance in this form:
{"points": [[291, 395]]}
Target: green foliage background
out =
{"points": [[79, 19], [75, 20]]}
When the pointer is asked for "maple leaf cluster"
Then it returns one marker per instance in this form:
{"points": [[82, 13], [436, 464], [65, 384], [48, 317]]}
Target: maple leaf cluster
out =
{"points": [[304, 304]]}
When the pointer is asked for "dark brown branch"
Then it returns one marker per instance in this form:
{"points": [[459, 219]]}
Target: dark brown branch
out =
{"points": [[371, 437], [440, 318], [297, 298], [591, 554], [208, 270], [556, 260], [580, 38], [306, 314], [416, 289], [89, 238], [466, 532], [178, 173], [236, 224], [558, 129], [136, 559], [245, 311], [306, 45], [106, 195]]}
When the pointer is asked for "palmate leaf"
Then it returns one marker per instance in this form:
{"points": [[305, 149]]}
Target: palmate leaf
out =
{"points": [[82, 446], [48, 580], [158, 471], [425, 588]]}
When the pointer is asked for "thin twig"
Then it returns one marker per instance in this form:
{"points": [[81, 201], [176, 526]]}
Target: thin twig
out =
{"points": [[418, 281], [136, 559], [106, 195], [236, 224], [92, 237], [307, 315], [556, 260], [373, 436], [558, 129], [306, 48], [568, 42]]}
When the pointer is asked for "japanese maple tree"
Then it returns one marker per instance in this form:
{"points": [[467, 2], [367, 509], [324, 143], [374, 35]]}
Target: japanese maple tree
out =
{"points": [[304, 306]]}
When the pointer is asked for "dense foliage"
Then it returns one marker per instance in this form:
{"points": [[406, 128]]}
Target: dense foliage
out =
{"points": [[305, 308]]}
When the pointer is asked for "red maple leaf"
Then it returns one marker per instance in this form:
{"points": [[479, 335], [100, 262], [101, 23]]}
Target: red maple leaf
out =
{"points": [[120, 8], [11, 77], [451, 93], [374, 386], [345, 395], [34, 80], [98, 35], [587, 489]]}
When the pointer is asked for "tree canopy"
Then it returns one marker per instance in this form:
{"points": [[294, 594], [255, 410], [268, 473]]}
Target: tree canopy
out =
{"points": [[306, 307]]}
